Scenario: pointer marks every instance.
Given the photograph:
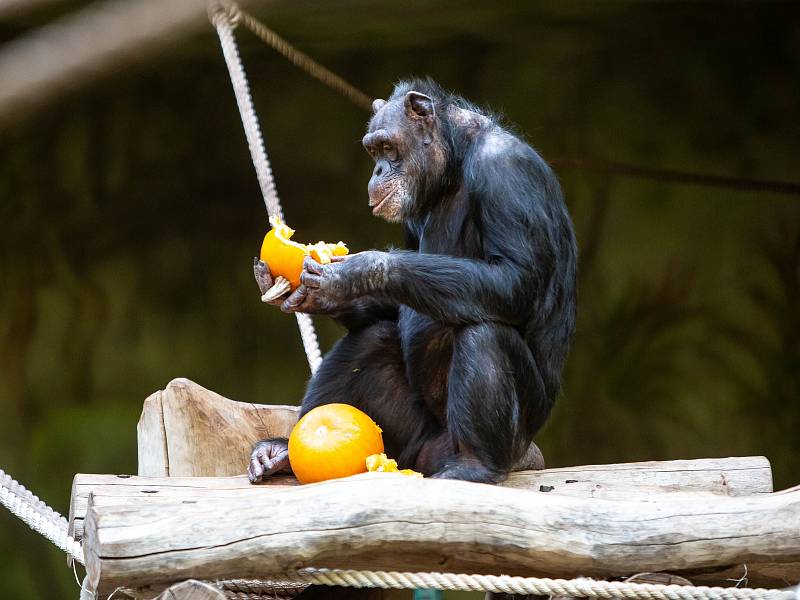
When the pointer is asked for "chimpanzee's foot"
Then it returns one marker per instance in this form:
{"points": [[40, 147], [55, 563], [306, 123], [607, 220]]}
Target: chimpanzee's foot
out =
{"points": [[470, 470], [273, 290], [267, 458], [262, 275], [532, 461]]}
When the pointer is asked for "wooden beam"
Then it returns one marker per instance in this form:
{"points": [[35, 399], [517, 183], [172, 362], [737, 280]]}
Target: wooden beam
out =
{"points": [[631, 481], [96, 39], [381, 521]]}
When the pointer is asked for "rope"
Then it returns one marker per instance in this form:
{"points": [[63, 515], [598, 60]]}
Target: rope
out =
{"points": [[305, 62], [224, 19], [578, 588], [37, 515]]}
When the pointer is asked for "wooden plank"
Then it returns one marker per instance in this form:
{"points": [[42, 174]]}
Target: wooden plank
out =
{"points": [[381, 521], [187, 431]]}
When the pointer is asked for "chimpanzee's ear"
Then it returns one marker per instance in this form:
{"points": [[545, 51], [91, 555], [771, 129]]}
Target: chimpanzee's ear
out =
{"points": [[418, 106], [377, 104]]}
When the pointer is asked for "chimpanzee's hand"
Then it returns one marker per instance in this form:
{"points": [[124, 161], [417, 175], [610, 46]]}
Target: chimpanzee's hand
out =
{"points": [[267, 458], [326, 289], [265, 282]]}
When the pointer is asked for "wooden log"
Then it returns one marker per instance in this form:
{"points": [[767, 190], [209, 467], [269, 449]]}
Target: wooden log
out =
{"points": [[186, 430], [631, 481], [381, 521]]}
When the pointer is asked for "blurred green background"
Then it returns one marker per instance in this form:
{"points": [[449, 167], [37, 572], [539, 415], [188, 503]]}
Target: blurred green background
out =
{"points": [[130, 213]]}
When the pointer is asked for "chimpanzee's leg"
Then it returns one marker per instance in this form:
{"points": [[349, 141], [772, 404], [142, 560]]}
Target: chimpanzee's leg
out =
{"points": [[366, 369], [496, 400]]}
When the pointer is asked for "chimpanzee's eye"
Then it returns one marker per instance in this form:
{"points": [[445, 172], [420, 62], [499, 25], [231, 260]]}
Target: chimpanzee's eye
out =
{"points": [[387, 148]]}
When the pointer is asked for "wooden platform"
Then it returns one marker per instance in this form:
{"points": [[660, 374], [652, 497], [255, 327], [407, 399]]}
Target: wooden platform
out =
{"points": [[704, 519]]}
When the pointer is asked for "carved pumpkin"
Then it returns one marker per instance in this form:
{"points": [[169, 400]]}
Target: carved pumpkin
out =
{"points": [[285, 257]]}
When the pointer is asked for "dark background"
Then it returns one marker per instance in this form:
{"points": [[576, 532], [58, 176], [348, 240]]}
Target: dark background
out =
{"points": [[129, 215]]}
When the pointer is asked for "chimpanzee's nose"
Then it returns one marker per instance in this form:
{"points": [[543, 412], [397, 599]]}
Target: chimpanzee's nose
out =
{"points": [[378, 170]]}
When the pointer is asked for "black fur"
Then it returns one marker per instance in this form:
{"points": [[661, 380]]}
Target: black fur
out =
{"points": [[455, 345]]}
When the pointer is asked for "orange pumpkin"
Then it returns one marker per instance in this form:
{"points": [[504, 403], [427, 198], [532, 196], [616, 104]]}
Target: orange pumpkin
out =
{"points": [[285, 257], [332, 441]]}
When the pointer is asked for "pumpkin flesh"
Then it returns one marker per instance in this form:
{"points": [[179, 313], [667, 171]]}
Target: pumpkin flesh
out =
{"points": [[285, 257]]}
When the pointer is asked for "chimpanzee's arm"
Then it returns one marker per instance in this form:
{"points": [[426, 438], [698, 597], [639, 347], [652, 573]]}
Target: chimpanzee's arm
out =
{"points": [[525, 233], [364, 311], [450, 289]]}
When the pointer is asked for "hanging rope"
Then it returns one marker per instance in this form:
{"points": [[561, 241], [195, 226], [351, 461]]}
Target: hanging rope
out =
{"points": [[224, 19]]}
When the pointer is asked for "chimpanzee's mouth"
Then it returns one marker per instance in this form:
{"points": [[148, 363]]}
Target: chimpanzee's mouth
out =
{"points": [[380, 202]]}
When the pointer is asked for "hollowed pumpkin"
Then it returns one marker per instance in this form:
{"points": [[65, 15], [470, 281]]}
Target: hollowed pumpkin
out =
{"points": [[285, 257]]}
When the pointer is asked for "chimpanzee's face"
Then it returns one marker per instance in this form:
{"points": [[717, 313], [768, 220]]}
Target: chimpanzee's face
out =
{"points": [[403, 139]]}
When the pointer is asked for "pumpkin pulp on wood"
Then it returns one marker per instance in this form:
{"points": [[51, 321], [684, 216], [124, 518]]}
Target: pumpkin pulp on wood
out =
{"points": [[380, 463]]}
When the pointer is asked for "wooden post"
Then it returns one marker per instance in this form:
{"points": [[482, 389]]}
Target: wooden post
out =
{"points": [[188, 431]]}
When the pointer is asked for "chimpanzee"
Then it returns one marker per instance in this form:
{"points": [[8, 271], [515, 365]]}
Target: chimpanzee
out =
{"points": [[455, 345]]}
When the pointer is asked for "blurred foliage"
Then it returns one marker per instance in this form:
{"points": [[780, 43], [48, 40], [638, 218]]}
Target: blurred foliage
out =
{"points": [[130, 214]]}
